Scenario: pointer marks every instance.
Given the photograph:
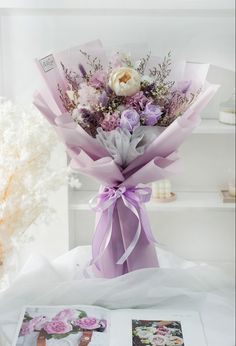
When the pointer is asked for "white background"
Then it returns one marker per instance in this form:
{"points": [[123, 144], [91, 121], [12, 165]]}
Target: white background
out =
{"points": [[200, 31]]}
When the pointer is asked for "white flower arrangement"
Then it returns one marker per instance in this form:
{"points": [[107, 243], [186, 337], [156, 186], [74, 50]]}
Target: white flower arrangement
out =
{"points": [[26, 144]]}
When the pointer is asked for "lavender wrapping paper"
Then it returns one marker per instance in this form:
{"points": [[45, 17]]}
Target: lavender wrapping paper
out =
{"points": [[123, 241]]}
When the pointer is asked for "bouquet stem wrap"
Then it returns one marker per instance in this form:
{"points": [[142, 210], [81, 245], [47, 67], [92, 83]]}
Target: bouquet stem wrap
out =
{"points": [[123, 239]]}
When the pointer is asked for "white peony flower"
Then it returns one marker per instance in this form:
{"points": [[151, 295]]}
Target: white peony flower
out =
{"points": [[125, 81]]}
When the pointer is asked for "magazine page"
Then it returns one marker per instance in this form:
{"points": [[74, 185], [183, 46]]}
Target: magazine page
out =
{"points": [[64, 326], [156, 328]]}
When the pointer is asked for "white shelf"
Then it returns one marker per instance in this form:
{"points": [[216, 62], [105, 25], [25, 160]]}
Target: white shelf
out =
{"points": [[213, 126], [122, 4], [185, 201], [183, 8]]}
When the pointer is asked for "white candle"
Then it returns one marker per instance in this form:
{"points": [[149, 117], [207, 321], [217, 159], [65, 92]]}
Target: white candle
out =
{"points": [[232, 189], [161, 189]]}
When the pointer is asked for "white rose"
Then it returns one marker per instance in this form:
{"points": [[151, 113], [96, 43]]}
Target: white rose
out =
{"points": [[124, 81]]}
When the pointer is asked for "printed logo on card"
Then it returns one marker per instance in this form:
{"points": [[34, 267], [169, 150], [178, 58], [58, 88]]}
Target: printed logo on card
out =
{"points": [[48, 63]]}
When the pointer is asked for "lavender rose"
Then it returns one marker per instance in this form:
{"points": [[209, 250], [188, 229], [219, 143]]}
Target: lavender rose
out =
{"points": [[65, 315], [57, 327], [88, 323], [130, 119], [151, 114]]}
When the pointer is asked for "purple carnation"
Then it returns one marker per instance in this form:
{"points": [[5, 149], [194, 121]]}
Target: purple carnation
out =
{"points": [[130, 119], [137, 101], [111, 122], [151, 114]]}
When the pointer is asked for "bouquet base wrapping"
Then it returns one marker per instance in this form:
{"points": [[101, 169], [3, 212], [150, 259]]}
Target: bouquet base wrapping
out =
{"points": [[123, 240]]}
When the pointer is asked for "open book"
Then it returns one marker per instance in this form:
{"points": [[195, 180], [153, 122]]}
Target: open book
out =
{"points": [[95, 326]]}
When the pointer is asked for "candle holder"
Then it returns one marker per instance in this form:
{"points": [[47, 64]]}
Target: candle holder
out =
{"points": [[227, 111], [161, 191]]}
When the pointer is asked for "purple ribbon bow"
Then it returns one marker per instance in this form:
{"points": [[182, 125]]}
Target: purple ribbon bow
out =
{"points": [[104, 203]]}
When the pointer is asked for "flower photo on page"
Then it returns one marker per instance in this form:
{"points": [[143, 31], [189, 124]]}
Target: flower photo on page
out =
{"points": [[54, 326], [157, 333]]}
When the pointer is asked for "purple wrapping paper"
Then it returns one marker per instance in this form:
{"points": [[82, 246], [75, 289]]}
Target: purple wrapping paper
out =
{"points": [[123, 240]]}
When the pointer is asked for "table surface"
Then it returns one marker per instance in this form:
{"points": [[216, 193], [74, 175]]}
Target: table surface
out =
{"points": [[178, 285]]}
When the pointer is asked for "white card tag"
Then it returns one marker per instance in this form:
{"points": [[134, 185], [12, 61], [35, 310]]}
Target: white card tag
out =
{"points": [[48, 63]]}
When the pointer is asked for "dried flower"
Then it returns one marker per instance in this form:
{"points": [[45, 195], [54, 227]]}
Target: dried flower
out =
{"points": [[26, 142]]}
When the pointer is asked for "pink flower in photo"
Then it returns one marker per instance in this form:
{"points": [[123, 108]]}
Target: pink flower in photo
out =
{"points": [[38, 322], [65, 315], [163, 330], [57, 327], [88, 323], [26, 328]]}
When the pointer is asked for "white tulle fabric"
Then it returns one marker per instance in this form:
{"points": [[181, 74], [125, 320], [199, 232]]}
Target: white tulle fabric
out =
{"points": [[178, 285]]}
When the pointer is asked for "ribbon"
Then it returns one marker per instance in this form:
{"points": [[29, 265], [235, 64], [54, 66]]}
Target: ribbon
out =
{"points": [[104, 203]]}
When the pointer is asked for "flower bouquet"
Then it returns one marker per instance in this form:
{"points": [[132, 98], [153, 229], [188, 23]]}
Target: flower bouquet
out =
{"points": [[64, 324], [122, 119]]}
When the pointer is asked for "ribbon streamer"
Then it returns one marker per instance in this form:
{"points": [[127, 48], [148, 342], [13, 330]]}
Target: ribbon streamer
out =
{"points": [[104, 203]]}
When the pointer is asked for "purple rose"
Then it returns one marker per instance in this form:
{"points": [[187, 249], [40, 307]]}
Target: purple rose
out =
{"points": [[57, 327], [65, 315], [88, 323], [130, 119], [151, 114]]}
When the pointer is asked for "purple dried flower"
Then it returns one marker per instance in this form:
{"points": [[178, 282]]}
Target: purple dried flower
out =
{"points": [[137, 101], [151, 114], [103, 99], [82, 70], [130, 119], [88, 117], [90, 120], [149, 89]]}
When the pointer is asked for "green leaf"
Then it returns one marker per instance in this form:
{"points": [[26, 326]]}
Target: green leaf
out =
{"points": [[82, 314], [60, 336]]}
